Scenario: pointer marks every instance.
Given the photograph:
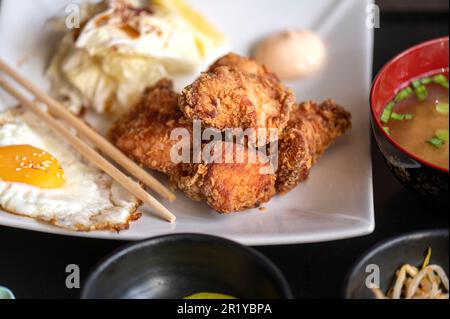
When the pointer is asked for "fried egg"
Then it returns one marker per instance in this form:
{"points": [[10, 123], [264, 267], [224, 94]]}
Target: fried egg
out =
{"points": [[43, 177]]}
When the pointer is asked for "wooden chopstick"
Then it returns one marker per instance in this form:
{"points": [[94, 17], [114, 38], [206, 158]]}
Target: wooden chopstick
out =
{"points": [[90, 154], [59, 111]]}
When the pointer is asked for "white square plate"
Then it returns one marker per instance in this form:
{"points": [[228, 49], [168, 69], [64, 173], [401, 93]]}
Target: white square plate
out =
{"points": [[337, 201]]}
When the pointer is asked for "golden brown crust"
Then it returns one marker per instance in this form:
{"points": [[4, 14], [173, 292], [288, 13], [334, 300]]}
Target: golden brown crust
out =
{"points": [[144, 134], [295, 160], [134, 215], [230, 187], [190, 180], [245, 65], [159, 100], [310, 131], [328, 121], [238, 94]]}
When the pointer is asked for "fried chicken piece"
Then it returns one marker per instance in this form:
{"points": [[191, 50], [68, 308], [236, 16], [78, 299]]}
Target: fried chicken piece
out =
{"points": [[245, 65], [233, 96], [246, 180], [144, 133], [310, 131], [144, 136]]}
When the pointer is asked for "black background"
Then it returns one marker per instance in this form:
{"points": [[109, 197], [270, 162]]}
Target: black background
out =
{"points": [[33, 264]]}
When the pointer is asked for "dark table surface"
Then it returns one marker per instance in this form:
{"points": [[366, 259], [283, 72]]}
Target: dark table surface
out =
{"points": [[33, 264]]}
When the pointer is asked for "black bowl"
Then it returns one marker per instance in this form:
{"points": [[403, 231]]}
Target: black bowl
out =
{"points": [[177, 266], [390, 255]]}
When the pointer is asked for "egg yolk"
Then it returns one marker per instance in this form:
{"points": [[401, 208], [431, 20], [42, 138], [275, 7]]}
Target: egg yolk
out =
{"points": [[29, 165]]}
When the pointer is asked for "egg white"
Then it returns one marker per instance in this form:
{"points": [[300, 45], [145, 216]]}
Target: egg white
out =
{"points": [[89, 200]]}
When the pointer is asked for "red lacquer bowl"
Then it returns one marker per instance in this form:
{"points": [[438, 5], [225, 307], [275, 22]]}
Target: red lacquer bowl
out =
{"points": [[415, 173]]}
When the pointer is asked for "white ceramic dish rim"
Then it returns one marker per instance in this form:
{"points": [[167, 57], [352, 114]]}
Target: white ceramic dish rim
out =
{"points": [[354, 228]]}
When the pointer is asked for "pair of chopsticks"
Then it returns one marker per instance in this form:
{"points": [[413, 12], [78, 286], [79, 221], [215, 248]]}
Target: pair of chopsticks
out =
{"points": [[58, 111]]}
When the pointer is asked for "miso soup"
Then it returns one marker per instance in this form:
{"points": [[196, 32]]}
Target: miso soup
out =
{"points": [[417, 119]]}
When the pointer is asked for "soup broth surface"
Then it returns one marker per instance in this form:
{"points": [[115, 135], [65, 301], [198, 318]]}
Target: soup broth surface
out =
{"points": [[413, 134]]}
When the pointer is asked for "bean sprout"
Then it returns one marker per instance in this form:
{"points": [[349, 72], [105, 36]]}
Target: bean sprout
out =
{"points": [[430, 282]]}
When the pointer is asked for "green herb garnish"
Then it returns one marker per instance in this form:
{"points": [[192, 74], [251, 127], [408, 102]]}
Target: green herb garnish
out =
{"points": [[401, 117], [442, 135], [397, 117], [416, 84], [387, 112], [442, 108], [420, 90], [418, 87], [386, 115], [441, 80], [387, 130], [436, 142], [426, 81], [403, 94], [439, 138]]}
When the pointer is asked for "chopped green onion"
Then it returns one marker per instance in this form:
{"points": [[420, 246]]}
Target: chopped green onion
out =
{"points": [[391, 105], [426, 81], [436, 142], [409, 117], [397, 117], [442, 108], [387, 130], [441, 80], [401, 117], [422, 94], [416, 84], [403, 94], [421, 90], [442, 135], [386, 115]]}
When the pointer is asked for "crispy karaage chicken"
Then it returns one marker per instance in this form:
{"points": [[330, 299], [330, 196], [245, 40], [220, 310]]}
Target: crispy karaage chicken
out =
{"points": [[245, 65], [145, 136], [235, 93], [144, 133], [310, 131], [245, 181], [238, 93]]}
